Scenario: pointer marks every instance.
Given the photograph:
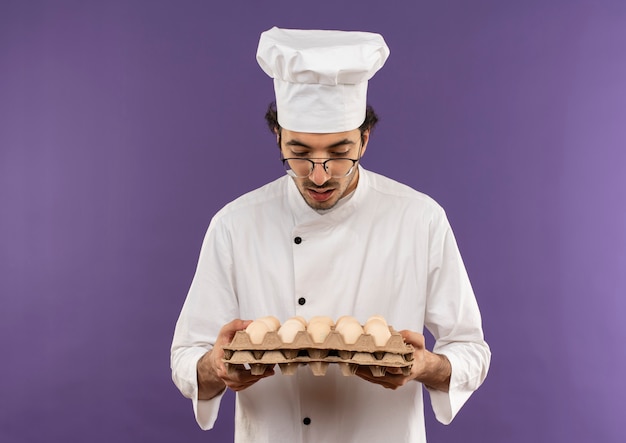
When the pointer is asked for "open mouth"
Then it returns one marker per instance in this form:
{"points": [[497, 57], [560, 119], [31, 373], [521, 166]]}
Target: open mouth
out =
{"points": [[320, 195]]}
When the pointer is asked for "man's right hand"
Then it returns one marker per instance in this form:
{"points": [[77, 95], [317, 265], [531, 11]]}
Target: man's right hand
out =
{"points": [[211, 370]]}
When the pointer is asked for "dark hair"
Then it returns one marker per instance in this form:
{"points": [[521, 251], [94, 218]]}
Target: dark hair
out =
{"points": [[271, 117]]}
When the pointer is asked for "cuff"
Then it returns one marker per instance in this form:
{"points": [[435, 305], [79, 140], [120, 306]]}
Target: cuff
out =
{"points": [[446, 404], [206, 411]]}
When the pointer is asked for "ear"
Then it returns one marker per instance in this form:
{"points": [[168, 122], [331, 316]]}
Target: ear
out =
{"points": [[277, 132], [365, 137]]}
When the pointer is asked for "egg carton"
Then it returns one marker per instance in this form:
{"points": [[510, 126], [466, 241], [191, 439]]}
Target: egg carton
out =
{"points": [[304, 351]]}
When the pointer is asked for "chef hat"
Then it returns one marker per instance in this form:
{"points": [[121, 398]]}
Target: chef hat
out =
{"points": [[320, 77]]}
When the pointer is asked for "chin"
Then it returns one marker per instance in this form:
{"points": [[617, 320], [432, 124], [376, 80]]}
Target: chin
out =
{"points": [[321, 205]]}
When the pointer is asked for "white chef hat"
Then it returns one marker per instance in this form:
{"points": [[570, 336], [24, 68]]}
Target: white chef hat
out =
{"points": [[320, 77]]}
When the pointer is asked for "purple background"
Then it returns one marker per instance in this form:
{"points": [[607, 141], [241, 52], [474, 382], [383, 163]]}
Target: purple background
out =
{"points": [[124, 125]]}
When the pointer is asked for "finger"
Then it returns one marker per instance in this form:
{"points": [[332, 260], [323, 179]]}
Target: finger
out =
{"points": [[246, 383], [413, 338], [222, 371], [379, 381], [239, 377], [368, 377], [227, 333], [390, 381]]}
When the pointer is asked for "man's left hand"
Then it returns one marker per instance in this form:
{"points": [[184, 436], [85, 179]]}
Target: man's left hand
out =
{"points": [[431, 369]]}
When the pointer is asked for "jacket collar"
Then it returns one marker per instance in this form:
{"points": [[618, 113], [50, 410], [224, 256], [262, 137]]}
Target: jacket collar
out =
{"points": [[304, 214]]}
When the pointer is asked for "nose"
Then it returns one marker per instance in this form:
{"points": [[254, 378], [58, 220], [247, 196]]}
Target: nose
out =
{"points": [[318, 175]]}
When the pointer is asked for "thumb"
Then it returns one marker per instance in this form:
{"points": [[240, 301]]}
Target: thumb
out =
{"points": [[227, 333], [413, 338]]}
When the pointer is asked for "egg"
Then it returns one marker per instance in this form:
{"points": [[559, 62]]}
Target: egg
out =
{"points": [[378, 330], [318, 330], [290, 329], [272, 322], [350, 331], [300, 319], [345, 319], [256, 331], [322, 318], [373, 321], [377, 317]]}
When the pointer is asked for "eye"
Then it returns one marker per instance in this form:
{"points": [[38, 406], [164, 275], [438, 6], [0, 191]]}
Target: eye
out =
{"points": [[299, 153]]}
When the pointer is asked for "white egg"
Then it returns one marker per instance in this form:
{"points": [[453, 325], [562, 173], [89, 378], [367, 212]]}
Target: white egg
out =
{"points": [[300, 319], [350, 331], [324, 319], [318, 331], [379, 331], [373, 321], [377, 317], [294, 321], [345, 319], [272, 322], [257, 330], [341, 324], [289, 330]]}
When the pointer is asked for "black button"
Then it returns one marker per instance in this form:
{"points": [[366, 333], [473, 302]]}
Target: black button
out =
{"points": [[301, 301], [306, 421], [297, 240]]}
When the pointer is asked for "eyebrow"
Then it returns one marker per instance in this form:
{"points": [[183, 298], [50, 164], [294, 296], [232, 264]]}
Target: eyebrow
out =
{"points": [[345, 141]]}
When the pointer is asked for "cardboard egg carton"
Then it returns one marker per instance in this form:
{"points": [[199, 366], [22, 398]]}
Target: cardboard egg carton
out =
{"points": [[304, 351]]}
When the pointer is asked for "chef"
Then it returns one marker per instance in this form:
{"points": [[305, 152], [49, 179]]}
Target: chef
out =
{"points": [[329, 238]]}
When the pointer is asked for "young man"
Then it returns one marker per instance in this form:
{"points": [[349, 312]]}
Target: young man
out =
{"points": [[329, 238]]}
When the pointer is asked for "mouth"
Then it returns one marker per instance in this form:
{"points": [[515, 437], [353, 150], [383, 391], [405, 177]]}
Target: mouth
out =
{"points": [[320, 195]]}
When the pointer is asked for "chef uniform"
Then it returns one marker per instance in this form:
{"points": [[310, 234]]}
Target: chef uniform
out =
{"points": [[385, 249]]}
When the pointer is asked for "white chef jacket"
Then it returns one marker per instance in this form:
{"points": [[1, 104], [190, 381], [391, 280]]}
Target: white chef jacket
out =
{"points": [[389, 250]]}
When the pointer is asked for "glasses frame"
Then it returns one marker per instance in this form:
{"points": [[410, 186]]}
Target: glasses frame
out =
{"points": [[292, 173]]}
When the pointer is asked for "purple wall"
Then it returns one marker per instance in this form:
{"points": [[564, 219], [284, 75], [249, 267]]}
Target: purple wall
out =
{"points": [[123, 125]]}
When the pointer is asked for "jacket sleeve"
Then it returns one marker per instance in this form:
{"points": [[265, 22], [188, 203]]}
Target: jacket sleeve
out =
{"points": [[211, 303], [453, 317]]}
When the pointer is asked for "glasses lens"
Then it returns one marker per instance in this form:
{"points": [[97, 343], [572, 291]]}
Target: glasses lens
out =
{"points": [[339, 167], [298, 167]]}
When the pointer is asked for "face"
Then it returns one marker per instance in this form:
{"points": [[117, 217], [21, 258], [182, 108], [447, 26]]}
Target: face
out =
{"points": [[320, 190]]}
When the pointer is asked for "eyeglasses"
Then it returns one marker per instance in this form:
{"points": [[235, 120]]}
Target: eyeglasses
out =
{"points": [[303, 167]]}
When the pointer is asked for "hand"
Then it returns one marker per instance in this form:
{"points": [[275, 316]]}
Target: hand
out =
{"points": [[213, 376], [431, 369]]}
